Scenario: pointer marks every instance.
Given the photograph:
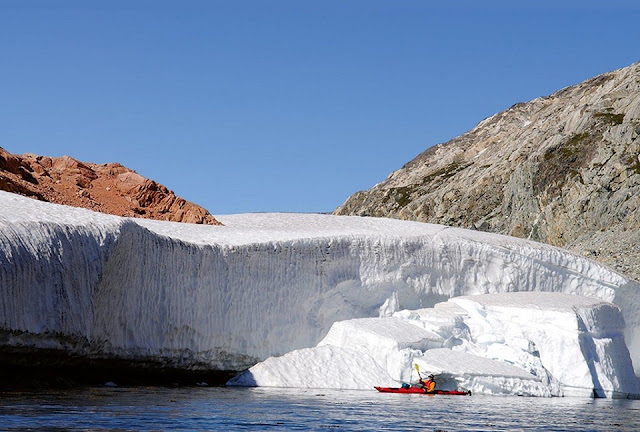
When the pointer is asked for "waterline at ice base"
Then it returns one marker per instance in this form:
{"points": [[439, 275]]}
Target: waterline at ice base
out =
{"points": [[226, 298]]}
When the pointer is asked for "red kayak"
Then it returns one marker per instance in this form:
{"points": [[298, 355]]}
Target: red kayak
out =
{"points": [[421, 391]]}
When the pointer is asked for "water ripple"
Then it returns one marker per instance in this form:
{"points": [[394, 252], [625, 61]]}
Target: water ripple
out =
{"points": [[260, 409]]}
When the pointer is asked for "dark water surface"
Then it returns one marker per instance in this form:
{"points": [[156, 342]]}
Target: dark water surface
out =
{"points": [[216, 408]]}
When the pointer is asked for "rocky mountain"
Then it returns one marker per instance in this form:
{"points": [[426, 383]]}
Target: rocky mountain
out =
{"points": [[562, 169], [108, 188]]}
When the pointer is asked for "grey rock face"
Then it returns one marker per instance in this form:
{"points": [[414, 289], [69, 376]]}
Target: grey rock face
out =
{"points": [[562, 169]]}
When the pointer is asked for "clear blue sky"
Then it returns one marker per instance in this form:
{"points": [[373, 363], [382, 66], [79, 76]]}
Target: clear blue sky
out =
{"points": [[245, 106]]}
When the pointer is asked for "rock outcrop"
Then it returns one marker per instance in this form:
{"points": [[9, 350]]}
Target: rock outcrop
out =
{"points": [[562, 169], [108, 188]]}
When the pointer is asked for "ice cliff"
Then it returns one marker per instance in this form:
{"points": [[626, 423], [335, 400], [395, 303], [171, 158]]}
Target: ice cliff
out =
{"points": [[228, 296]]}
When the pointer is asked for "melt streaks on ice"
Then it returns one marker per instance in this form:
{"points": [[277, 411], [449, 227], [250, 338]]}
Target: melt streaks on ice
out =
{"points": [[262, 285]]}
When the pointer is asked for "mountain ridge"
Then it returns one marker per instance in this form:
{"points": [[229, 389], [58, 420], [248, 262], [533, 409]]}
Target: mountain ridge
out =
{"points": [[108, 188], [563, 169]]}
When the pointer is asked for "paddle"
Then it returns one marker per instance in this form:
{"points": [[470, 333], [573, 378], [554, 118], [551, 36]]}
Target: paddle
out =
{"points": [[418, 370]]}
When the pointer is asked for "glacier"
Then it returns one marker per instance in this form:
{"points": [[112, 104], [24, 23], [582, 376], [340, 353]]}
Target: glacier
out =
{"points": [[263, 285], [526, 343]]}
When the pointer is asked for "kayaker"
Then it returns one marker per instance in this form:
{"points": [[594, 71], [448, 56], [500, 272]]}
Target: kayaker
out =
{"points": [[429, 385]]}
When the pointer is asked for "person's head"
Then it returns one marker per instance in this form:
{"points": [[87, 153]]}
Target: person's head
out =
{"points": [[431, 377]]}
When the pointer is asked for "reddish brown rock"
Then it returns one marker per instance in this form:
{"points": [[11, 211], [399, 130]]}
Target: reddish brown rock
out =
{"points": [[108, 188]]}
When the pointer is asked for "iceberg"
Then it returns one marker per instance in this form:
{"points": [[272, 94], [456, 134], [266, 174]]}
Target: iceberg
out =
{"points": [[226, 297], [528, 344], [320, 367]]}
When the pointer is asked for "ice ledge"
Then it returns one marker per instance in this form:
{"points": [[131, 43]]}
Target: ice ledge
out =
{"points": [[533, 344]]}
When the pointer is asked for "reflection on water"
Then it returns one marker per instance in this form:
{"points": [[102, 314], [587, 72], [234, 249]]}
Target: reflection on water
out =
{"points": [[215, 408]]}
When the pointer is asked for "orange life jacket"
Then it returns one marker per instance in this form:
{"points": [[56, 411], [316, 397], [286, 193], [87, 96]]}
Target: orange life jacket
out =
{"points": [[429, 385]]}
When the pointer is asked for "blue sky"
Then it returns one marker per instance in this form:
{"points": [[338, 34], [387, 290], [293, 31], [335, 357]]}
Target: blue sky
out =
{"points": [[244, 106]]}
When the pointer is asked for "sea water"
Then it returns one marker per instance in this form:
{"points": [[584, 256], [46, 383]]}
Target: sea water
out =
{"points": [[271, 409]]}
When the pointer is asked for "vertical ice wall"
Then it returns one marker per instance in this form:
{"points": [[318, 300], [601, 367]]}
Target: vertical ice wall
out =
{"points": [[263, 285], [48, 273]]}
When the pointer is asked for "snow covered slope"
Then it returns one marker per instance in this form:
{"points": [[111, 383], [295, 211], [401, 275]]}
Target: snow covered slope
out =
{"points": [[534, 344], [263, 284]]}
